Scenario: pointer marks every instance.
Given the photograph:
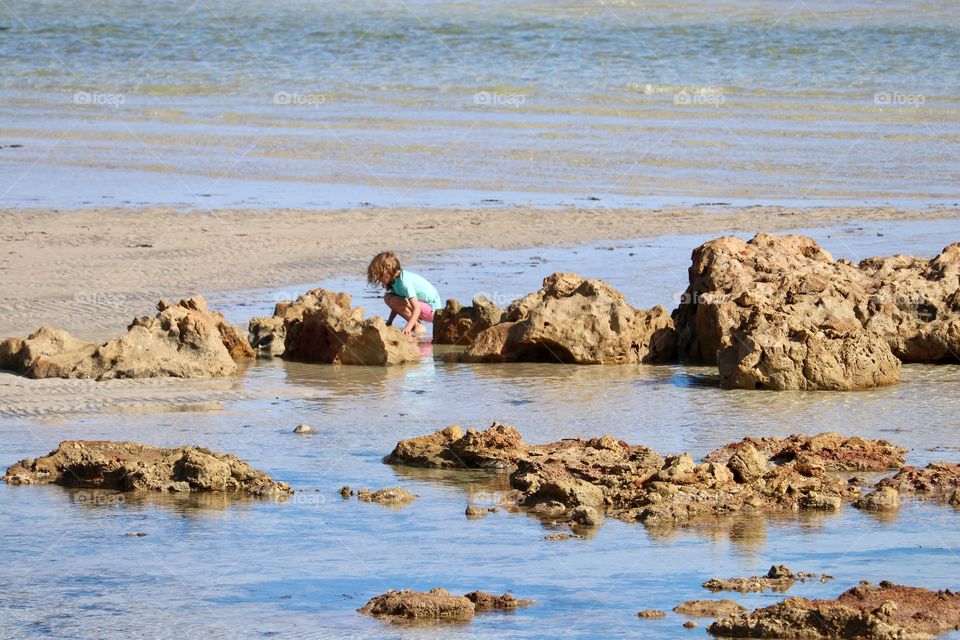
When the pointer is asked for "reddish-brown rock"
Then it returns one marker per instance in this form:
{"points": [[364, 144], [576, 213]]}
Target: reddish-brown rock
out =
{"points": [[457, 324], [887, 612]]}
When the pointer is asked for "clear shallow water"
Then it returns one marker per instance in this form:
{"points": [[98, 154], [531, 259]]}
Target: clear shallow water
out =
{"points": [[222, 567], [330, 104]]}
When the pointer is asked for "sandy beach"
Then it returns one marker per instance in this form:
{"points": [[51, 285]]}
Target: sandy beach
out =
{"points": [[90, 272]]}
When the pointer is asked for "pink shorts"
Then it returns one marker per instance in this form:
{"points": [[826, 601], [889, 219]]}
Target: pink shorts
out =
{"points": [[426, 312]]}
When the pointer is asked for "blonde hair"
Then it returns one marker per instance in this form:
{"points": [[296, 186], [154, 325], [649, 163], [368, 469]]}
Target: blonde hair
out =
{"points": [[383, 264]]}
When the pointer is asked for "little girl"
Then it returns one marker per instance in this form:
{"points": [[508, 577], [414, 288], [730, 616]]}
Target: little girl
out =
{"points": [[408, 295]]}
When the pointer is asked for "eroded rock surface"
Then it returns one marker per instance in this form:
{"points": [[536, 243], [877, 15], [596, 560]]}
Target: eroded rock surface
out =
{"points": [[910, 303], [709, 608], [830, 451], [581, 480], [184, 340], [489, 601], [775, 350], [130, 466], [387, 495], [497, 447], [457, 324], [321, 326], [436, 604], [886, 612], [937, 480], [778, 578], [578, 321]]}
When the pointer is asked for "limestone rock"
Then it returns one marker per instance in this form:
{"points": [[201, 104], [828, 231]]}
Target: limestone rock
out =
{"points": [[321, 326], [910, 303], [497, 447], [774, 350], [456, 324], [709, 608], [130, 466], [937, 480], [437, 604], [882, 499], [184, 340], [887, 612], [577, 321], [489, 601], [387, 495]]}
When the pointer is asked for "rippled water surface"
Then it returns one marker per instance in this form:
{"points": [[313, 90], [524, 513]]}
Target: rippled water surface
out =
{"points": [[331, 104], [215, 566]]}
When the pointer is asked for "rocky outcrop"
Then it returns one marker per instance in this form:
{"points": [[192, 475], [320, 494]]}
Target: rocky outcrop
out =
{"points": [[882, 499], [779, 578], [577, 321], [497, 447], [437, 604], [456, 324], [387, 495], [938, 480], [490, 601], [886, 612], [184, 340], [828, 451], [709, 608], [130, 466], [581, 480], [778, 351], [321, 326], [910, 303]]}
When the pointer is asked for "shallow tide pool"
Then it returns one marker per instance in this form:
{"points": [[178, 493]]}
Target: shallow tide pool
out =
{"points": [[215, 566]]}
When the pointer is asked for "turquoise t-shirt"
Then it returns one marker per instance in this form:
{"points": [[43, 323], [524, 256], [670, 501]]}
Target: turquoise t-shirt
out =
{"points": [[411, 285]]}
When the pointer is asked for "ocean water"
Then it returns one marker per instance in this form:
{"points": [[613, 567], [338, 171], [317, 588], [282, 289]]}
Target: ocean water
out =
{"points": [[418, 102], [217, 566]]}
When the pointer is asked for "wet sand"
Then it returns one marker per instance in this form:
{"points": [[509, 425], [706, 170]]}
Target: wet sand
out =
{"points": [[91, 271]]}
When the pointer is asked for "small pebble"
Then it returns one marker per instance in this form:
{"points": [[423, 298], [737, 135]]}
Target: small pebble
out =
{"points": [[651, 613], [138, 534], [303, 428], [346, 492], [690, 624], [475, 512]]}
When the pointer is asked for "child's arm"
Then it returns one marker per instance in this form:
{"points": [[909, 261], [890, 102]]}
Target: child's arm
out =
{"points": [[414, 315]]}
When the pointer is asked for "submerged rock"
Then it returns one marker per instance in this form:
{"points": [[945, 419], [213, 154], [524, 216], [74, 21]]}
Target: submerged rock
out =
{"points": [[581, 480], [437, 604], [709, 608], [578, 321], [793, 285], [130, 466], [778, 578], [185, 340], [865, 612], [321, 326], [489, 601], [456, 324], [651, 613], [387, 495]]}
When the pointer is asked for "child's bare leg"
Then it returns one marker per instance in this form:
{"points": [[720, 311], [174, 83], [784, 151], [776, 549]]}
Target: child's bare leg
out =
{"points": [[398, 306]]}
